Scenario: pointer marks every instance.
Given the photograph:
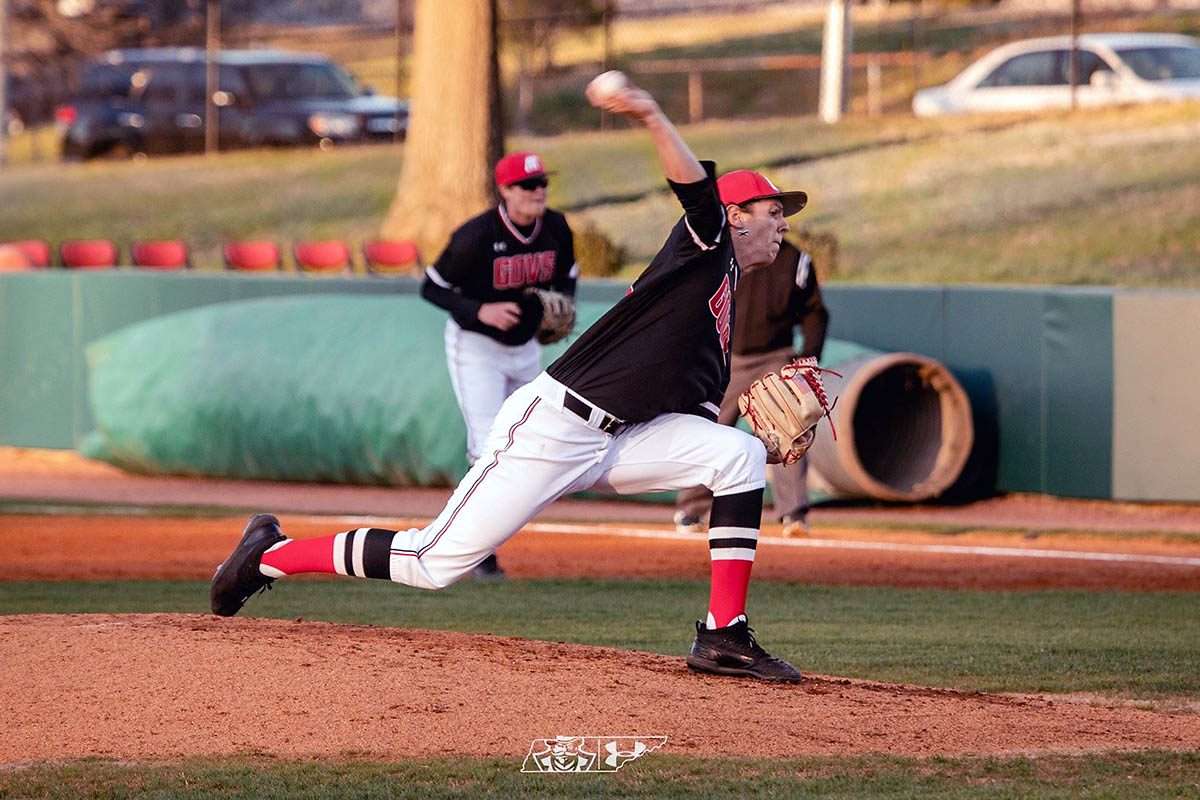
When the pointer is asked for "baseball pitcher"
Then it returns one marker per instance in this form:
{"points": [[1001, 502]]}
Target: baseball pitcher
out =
{"points": [[630, 407]]}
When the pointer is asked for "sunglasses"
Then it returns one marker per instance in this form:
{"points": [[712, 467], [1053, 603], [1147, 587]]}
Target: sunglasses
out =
{"points": [[532, 184]]}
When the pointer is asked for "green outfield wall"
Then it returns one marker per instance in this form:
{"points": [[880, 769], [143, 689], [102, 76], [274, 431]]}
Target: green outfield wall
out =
{"points": [[1082, 392]]}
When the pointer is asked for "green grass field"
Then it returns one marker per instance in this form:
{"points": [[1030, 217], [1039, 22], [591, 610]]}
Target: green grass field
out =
{"points": [[1136, 646], [1104, 197], [1121, 776], [1132, 645]]}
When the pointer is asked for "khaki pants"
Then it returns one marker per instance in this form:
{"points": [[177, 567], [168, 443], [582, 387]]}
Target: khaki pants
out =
{"points": [[789, 485]]}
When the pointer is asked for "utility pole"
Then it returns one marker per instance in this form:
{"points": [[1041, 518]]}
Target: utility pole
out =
{"points": [[397, 135], [3, 83], [1073, 68], [835, 57], [606, 23], [212, 48]]}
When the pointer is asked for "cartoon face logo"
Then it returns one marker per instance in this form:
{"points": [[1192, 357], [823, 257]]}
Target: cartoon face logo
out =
{"points": [[565, 754]]}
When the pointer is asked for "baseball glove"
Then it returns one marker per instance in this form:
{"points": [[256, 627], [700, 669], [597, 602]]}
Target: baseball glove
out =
{"points": [[783, 409], [558, 314]]}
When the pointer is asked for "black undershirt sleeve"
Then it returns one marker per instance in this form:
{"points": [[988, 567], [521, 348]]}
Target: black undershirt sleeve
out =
{"points": [[702, 210], [463, 309]]}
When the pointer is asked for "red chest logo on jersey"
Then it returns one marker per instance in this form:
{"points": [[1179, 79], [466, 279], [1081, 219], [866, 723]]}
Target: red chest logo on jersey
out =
{"points": [[720, 304], [523, 269]]}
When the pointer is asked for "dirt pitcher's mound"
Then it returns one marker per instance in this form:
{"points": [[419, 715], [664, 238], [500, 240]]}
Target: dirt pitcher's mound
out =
{"points": [[131, 686]]}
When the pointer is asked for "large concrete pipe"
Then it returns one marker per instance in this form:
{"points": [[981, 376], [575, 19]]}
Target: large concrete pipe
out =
{"points": [[903, 425]]}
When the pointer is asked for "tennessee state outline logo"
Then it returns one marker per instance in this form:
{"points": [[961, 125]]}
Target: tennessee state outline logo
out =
{"points": [[588, 753]]}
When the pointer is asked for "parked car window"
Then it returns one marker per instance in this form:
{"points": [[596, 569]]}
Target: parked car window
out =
{"points": [[162, 85], [231, 81], [1030, 69], [1163, 63], [228, 80], [196, 85], [1089, 64], [107, 80], [1046, 68], [297, 81]]}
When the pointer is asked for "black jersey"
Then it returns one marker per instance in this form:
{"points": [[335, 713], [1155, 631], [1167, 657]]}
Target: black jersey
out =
{"points": [[665, 346], [491, 259]]}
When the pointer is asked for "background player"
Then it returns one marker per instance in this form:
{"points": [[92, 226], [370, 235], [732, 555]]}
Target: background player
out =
{"points": [[481, 278], [771, 303], [630, 407]]}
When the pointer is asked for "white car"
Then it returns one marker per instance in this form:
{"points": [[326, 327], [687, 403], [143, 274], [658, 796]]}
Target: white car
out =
{"points": [[1034, 74]]}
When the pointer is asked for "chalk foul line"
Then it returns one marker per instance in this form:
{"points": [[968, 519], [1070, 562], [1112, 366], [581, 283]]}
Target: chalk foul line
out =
{"points": [[896, 547]]}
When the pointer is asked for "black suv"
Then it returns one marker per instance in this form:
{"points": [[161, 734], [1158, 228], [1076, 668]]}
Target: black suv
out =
{"points": [[153, 101]]}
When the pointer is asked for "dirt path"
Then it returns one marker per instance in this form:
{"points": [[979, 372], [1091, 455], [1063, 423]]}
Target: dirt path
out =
{"points": [[124, 548], [50, 475]]}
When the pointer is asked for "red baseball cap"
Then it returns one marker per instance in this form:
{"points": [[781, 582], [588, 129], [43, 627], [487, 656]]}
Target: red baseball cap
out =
{"points": [[517, 167], [745, 186]]}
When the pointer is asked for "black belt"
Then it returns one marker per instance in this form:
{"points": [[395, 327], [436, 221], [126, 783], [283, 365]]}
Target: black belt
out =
{"points": [[608, 423]]}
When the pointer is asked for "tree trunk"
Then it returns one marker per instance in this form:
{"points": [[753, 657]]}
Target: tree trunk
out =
{"points": [[455, 131]]}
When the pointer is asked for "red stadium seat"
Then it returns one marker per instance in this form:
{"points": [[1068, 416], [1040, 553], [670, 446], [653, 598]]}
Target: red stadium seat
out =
{"points": [[252, 256], [88, 254], [391, 256], [327, 255], [36, 251], [160, 254], [13, 260]]}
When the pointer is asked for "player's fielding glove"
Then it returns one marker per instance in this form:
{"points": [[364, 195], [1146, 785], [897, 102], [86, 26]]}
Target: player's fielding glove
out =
{"points": [[783, 409], [558, 314]]}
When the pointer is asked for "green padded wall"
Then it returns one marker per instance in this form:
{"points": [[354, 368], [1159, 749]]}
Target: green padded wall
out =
{"points": [[1058, 393], [1031, 359]]}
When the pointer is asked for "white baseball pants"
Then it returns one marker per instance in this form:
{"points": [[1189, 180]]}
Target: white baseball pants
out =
{"points": [[484, 373], [538, 451]]}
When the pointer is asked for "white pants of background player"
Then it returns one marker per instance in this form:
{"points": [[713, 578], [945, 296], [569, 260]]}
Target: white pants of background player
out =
{"points": [[537, 452], [484, 373]]}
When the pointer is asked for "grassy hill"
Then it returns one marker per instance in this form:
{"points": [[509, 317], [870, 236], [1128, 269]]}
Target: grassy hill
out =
{"points": [[1103, 197]]}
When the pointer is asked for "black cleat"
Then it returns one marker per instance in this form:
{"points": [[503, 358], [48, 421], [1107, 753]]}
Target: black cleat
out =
{"points": [[489, 570], [238, 578], [733, 651]]}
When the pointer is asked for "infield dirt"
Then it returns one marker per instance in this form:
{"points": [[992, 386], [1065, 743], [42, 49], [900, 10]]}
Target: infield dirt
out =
{"points": [[133, 686]]}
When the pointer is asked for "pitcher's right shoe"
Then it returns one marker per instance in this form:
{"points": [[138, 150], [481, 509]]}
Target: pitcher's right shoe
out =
{"points": [[489, 570], [238, 578], [732, 650], [686, 523]]}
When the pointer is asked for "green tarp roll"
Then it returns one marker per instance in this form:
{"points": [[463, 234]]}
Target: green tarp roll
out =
{"points": [[332, 388]]}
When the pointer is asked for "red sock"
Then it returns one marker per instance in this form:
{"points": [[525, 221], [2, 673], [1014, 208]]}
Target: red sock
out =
{"points": [[727, 593], [302, 555]]}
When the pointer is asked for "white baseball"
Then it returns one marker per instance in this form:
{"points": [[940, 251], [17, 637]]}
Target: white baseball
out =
{"points": [[606, 84]]}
